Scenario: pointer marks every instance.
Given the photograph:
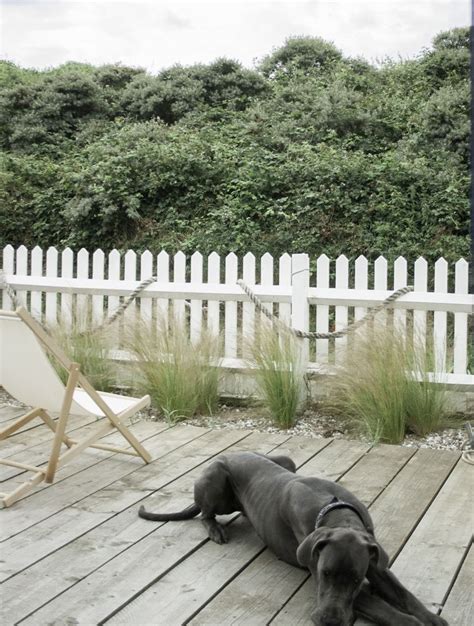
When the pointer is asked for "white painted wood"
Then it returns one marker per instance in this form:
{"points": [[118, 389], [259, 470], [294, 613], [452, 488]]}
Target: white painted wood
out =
{"points": [[230, 321], [130, 273], [213, 278], [440, 317], [22, 268], [322, 310], [8, 268], [67, 264], [342, 314], [322, 296], [113, 273], [456, 303], [361, 281], [248, 308], [163, 275], [179, 276], [420, 283], [461, 281], [82, 302], [36, 270], [196, 305], [146, 271], [400, 279], [52, 297], [431, 301], [284, 278], [380, 283], [300, 310], [266, 277], [98, 268]]}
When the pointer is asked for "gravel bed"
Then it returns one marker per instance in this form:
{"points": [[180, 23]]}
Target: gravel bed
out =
{"points": [[316, 425], [311, 424]]}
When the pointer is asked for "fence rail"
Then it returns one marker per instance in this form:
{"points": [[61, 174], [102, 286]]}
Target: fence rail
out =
{"points": [[309, 294]]}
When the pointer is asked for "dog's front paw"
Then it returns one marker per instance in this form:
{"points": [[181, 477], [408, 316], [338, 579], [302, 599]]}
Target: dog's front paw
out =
{"points": [[218, 534]]}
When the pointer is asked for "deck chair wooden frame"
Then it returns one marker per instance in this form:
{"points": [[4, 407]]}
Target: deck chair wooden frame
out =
{"points": [[101, 401]]}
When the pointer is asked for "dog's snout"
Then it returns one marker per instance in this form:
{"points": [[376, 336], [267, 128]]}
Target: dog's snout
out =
{"points": [[330, 618]]}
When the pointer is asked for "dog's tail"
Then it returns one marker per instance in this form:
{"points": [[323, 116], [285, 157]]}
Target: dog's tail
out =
{"points": [[187, 513]]}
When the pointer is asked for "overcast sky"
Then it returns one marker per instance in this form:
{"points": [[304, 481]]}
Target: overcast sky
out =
{"points": [[160, 33]]}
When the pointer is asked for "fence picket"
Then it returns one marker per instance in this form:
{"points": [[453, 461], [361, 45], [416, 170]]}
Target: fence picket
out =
{"points": [[400, 279], [67, 264], [440, 317], [300, 309], [130, 273], [213, 307], [380, 282], [196, 305], [113, 302], [52, 299], [461, 279], [82, 302], [230, 320], [342, 317], [146, 271], [322, 310], [420, 283], [266, 277], [37, 270], [361, 281], [248, 308], [179, 276], [8, 265], [284, 279], [98, 263], [163, 275]]}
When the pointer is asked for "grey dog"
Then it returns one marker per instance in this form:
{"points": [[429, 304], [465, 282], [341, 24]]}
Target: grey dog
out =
{"points": [[311, 523]]}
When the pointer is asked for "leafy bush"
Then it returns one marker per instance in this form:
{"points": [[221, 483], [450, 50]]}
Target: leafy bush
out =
{"points": [[312, 151]]}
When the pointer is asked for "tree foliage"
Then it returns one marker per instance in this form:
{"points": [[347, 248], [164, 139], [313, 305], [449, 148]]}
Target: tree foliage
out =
{"points": [[311, 151]]}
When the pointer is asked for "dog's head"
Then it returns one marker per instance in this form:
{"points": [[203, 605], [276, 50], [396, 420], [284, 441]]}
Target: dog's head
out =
{"points": [[338, 559]]}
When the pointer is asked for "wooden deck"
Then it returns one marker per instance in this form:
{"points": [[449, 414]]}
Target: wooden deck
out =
{"points": [[75, 552]]}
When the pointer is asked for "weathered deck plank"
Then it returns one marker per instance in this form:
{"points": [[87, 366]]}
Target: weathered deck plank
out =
{"points": [[39, 540], [459, 607], [187, 581], [76, 551], [158, 549], [428, 561], [395, 512], [38, 454]]}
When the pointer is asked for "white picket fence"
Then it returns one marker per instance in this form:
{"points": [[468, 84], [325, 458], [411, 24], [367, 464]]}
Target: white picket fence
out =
{"points": [[321, 296]]}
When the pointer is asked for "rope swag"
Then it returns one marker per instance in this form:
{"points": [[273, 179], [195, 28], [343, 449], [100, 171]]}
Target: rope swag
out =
{"points": [[334, 334]]}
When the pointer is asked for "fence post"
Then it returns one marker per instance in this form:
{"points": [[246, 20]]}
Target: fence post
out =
{"points": [[300, 312]]}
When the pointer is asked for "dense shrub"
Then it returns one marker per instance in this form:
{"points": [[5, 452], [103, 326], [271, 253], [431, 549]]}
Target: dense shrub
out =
{"points": [[311, 151]]}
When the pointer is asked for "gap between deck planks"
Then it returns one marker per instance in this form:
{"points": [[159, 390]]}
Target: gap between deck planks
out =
{"points": [[396, 512], [45, 503], [101, 555], [459, 608], [83, 553], [38, 454], [162, 546]]}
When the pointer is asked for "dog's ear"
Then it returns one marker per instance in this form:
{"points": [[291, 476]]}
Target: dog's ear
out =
{"points": [[309, 549], [378, 556]]}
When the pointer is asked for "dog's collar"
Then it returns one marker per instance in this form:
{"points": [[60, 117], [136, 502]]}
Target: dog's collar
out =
{"points": [[335, 504]]}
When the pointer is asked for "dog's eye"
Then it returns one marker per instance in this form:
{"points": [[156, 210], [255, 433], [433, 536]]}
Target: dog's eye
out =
{"points": [[326, 572]]}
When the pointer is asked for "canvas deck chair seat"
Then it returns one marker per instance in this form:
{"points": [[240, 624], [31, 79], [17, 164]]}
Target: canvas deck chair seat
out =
{"points": [[27, 374]]}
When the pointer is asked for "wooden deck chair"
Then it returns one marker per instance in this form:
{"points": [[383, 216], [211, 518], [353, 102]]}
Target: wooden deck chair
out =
{"points": [[26, 374]]}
